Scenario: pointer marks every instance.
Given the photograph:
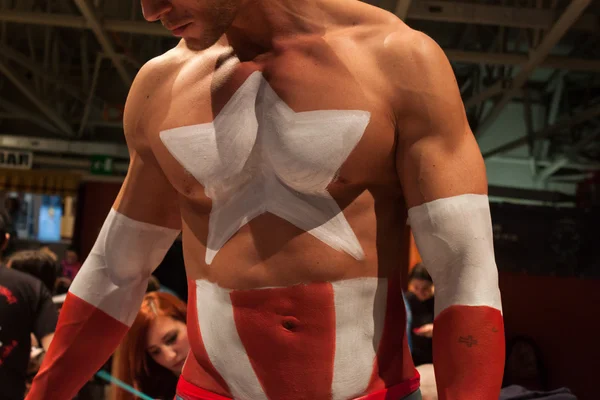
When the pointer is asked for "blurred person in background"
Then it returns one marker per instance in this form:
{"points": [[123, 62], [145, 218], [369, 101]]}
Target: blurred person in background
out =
{"points": [[152, 354], [43, 265], [25, 307], [37, 263], [421, 303], [48, 251], [524, 364], [70, 264], [9, 234]]}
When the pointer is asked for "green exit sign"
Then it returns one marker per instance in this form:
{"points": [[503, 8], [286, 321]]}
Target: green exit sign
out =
{"points": [[102, 165]]}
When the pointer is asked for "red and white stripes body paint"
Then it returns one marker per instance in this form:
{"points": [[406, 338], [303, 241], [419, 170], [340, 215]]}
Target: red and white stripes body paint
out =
{"points": [[454, 237], [337, 340], [101, 304]]}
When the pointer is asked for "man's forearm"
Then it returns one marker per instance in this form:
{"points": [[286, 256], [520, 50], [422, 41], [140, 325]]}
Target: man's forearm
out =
{"points": [[454, 237], [101, 305], [84, 340], [468, 353]]}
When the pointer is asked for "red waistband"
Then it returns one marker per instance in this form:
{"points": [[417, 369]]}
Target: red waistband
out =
{"points": [[188, 391]]}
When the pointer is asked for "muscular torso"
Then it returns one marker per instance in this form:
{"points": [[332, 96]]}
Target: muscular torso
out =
{"points": [[285, 171], [307, 76]]}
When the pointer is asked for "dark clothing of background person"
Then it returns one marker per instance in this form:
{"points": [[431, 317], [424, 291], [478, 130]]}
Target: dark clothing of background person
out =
{"points": [[25, 307], [422, 313]]}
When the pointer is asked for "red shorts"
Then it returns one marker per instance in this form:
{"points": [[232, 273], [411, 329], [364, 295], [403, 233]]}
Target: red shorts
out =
{"points": [[188, 391]]}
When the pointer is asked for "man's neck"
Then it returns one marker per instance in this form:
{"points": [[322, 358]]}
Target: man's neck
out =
{"points": [[261, 24]]}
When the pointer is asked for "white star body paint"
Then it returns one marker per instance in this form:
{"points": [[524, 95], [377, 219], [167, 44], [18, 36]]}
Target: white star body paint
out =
{"points": [[258, 156]]}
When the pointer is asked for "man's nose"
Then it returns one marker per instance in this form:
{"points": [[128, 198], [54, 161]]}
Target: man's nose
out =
{"points": [[154, 9]]}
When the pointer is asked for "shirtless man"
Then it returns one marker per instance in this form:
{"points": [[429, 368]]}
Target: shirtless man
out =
{"points": [[289, 140]]}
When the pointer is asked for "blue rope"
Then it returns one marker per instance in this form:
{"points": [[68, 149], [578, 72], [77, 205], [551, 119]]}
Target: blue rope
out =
{"points": [[111, 379]]}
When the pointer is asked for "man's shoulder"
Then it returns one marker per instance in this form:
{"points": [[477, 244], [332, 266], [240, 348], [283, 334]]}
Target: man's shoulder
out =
{"points": [[155, 80], [160, 68], [404, 50], [420, 78], [407, 59]]}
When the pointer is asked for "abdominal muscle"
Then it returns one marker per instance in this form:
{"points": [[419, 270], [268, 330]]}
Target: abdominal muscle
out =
{"points": [[279, 314]]}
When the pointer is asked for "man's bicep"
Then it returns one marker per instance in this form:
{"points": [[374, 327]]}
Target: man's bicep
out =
{"points": [[147, 195], [437, 154], [437, 167]]}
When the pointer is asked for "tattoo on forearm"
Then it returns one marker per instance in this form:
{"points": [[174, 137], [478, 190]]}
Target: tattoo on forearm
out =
{"points": [[469, 341]]}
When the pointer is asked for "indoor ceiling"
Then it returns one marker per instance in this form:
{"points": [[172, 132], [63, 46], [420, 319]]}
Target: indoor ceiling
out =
{"points": [[66, 67]]}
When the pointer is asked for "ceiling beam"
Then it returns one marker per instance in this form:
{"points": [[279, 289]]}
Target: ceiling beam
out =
{"points": [[543, 163], [98, 29], [77, 22], [21, 113], [485, 14], [554, 62], [563, 160], [578, 118], [92, 89], [566, 20], [34, 67], [402, 7], [419, 10], [156, 29], [24, 88], [489, 92]]}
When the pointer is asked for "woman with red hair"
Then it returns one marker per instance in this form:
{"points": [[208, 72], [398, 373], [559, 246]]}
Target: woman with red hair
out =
{"points": [[151, 356]]}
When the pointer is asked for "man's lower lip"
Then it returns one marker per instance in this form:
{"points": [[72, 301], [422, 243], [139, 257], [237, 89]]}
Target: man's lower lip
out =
{"points": [[179, 31]]}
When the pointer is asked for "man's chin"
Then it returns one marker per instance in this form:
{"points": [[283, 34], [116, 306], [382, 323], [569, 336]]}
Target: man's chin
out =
{"points": [[198, 44], [194, 44]]}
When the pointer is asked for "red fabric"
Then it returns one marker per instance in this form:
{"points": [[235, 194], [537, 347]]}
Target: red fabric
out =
{"points": [[468, 353], [84, 340], [187, 391], [291, 354]]}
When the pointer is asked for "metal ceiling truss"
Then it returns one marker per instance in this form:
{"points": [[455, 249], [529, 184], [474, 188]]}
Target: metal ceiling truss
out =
{"points": [[97, 27], [144, 28], [30, 93], [558, 30], [563, 125], [496, 51], [495, 15]]}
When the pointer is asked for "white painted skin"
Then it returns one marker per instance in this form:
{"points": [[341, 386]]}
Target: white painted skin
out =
{"points": [[114, 277], [258, 156], [455, 240], [360, 309], [222, 341]]}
